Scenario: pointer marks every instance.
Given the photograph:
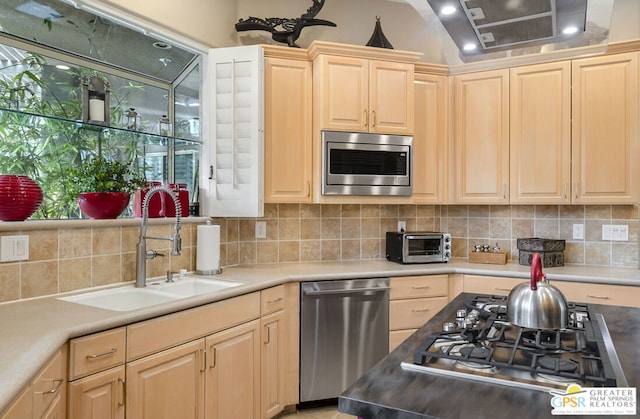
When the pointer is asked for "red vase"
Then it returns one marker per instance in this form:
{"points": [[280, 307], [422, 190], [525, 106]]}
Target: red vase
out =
{"points": [[20, 197], [103, 205]]}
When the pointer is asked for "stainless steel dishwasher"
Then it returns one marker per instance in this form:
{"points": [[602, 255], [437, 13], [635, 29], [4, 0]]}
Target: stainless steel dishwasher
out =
{"points": [[344, 330]]}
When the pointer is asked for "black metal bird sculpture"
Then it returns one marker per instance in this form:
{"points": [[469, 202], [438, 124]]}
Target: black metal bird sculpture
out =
{"points": [[291, 28]]}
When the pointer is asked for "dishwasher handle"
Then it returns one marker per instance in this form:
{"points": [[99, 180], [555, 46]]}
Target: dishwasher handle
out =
{"points": [[345, 291]]}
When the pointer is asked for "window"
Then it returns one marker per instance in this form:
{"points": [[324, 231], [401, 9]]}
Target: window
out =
{"points": [[42, 129]]}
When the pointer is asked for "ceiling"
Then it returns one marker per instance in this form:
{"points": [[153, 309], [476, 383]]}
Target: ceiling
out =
{"points": [[64, 27], [488, 29]]}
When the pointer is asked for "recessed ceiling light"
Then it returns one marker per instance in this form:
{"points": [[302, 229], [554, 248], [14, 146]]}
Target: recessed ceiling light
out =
{"points": [[161, 45], [570, 30], [469, 47], [448, 10], [63, 67]]}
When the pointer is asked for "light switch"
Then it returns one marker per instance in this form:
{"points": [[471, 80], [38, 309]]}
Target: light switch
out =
{"points": [[13, 248]]}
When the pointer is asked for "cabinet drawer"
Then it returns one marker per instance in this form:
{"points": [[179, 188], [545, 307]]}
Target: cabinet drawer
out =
{"points": [[490, 285], [48, 387], [419, 286], [396, 337], [272, 299], [153, 335], [98, 352], [618, 295], [411, 314]]}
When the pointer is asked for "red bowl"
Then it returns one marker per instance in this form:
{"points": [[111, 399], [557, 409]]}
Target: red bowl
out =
{"points": [[20, 197], [103, 205]]}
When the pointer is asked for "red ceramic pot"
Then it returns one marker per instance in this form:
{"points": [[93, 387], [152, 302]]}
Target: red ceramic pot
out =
{"points": [[103, 205], [20, 197]]}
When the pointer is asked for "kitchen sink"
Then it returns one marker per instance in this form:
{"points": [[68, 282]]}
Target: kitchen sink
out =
{"points": [[158, 292], [122, 299], [189, 287]]}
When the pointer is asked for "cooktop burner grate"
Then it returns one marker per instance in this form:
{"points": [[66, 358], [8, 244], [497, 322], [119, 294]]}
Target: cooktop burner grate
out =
{"points": [[493, 347]]}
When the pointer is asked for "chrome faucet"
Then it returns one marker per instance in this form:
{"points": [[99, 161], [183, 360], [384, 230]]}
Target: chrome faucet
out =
{"points": [[142, 254]]}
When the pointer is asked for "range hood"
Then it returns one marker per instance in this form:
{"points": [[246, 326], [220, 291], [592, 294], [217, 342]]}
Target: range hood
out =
{"points": [[487, 29]]}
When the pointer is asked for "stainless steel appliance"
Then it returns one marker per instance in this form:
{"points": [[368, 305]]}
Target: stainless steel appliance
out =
{"points": [[480, 344], [344, 330], [419, 247], [366, 164]]}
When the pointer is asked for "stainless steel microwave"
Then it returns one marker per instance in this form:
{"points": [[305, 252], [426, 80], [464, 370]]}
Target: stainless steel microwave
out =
{"points": [[419, 247], [366, 164]]}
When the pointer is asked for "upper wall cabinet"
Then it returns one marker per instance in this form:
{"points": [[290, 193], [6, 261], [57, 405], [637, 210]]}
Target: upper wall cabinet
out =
{"points": [[540, 134], [287, 129], [363, 89], [481, 138], [430, 139], [233, 153], [605, 129]]}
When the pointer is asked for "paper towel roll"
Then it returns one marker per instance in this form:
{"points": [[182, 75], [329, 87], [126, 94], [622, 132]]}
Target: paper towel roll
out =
{"points": [[208, 250]]}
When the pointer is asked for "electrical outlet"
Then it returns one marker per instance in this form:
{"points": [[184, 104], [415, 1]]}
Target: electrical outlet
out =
{"points": [[261, 229], [14, 248], [578, 231], [402, 226]]}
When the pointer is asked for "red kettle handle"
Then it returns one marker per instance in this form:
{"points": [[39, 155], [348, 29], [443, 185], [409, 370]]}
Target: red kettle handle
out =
{"points": [[536, 271]]}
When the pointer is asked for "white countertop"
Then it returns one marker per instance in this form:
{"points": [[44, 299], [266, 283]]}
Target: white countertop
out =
{"points": [[32, 330]]}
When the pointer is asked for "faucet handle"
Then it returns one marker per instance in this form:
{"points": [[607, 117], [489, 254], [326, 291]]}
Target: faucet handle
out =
{"points": [[170, 274], [154, 253]]}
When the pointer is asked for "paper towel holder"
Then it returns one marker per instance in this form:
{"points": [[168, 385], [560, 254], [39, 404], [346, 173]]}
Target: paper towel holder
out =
{"points": [[217, 271]]}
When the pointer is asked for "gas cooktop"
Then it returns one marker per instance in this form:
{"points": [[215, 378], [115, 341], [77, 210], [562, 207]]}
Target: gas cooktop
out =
{"points": [[480, 344]]}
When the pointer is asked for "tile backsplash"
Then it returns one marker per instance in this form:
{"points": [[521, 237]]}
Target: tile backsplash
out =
{"points": [[66, 259]]}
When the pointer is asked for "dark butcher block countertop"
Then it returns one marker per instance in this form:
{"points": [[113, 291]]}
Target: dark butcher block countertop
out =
{"points": [[388, 391]]}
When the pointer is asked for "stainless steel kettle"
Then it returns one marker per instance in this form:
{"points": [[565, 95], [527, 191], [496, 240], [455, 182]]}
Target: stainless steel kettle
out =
{"points": [[538, 304]]}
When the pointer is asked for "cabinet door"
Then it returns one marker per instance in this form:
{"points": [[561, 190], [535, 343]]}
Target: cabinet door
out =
{"points": [[430, 138], [342, 88], [233, 373], [272, 364], [391, 97], [169, 384], [540, 141], [287, 130], [482, 137], [98, 396], [21, 408], [605, 129]]}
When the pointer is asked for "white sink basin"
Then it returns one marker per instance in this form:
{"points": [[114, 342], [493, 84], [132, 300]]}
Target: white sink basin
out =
{"points": [[189, 287], [122, 299], [158, 292]]}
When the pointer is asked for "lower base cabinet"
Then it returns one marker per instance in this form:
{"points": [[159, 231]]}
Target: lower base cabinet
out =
{"points": [[233, 373], [98, 396], [236, 358], [169, 384]]}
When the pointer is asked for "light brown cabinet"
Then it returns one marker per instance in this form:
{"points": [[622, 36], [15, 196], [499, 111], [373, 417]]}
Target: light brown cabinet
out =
{"points": [[272, 353], [46, 396], [98, 396], [431, 138], [288, 100], [169, 384], [233, 373], [97, 375], [619, 295], [540, 134], [362, 95], [481, 139], [413, 301], [605, 129]]}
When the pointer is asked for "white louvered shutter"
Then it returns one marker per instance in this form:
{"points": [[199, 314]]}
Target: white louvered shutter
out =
{"points": [[234, 185]]}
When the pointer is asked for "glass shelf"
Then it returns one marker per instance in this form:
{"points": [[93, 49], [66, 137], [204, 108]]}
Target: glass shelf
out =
{"points": [[105, 129]]}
